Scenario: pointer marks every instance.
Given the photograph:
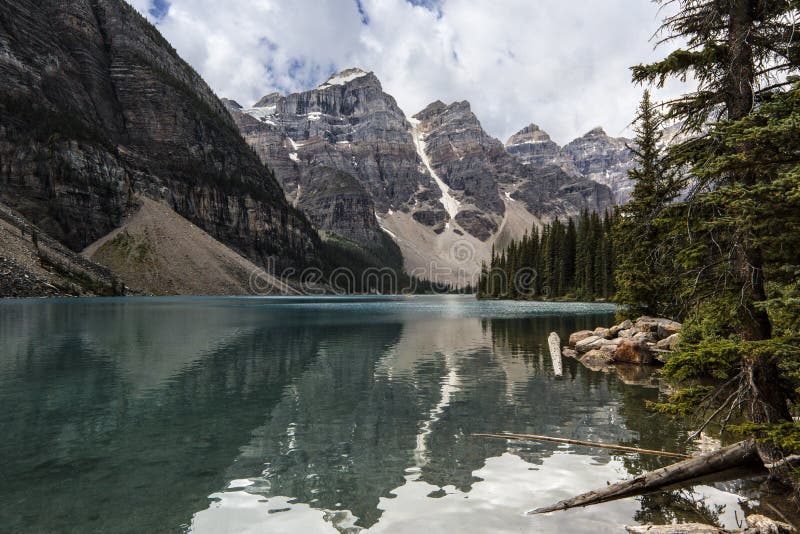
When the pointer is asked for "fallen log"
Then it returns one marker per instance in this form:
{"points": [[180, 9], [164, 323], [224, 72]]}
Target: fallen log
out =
{"points": [[554, 342], [756, 524], [685, 528], [736, 455], [625, 448]]}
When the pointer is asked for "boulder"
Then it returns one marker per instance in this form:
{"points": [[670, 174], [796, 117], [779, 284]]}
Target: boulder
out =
{"points": [[605, 333], [646, 324], [646, 337], [597, 360], [625, 325], [590, 343], [579, 336], [569, 353], [596, 342], [658, 326], [628, 333], [669, 342], [634, 351], [668, 328]]}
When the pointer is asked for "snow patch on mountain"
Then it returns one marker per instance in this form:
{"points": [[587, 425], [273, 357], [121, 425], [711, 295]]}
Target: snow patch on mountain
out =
{"points": [[343, 77], [451, 205], [260, 112]]}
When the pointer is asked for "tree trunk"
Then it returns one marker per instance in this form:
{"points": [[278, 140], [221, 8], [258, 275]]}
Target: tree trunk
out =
{"points": [[706, 464], [766, 403]]}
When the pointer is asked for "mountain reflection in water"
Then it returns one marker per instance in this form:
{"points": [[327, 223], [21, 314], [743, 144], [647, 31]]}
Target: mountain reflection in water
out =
{"points": [[320, 414]]}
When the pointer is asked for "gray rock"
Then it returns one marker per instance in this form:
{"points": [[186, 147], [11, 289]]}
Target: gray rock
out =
{"points": [[669, 343], [625, 325], [658, 325], [590, 343], [630, 332], [569, 353], [645, 337], [668, 328], [579, 336], [603, 332], [597, 360]]}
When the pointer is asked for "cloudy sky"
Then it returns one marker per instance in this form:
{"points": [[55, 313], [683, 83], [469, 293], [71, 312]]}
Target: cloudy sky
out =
{"points": [[562, 64]]}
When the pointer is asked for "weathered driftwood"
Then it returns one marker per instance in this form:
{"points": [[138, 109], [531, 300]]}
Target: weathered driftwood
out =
{"points": [[554, 342], [685, 528], [534, 437], [759, 524], [705, 464], [756, 524]]}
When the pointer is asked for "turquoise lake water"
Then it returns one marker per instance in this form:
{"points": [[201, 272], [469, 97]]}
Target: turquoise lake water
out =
{"points": [[320, 415]]}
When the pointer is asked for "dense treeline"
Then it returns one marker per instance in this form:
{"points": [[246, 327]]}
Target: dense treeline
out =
{"points": [[572, 260]]}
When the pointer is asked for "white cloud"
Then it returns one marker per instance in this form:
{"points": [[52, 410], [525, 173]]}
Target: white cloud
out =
{"points": [[560, 63]]}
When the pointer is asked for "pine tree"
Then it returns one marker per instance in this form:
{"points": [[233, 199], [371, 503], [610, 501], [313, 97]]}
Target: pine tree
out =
{"points": [[643, 276]]}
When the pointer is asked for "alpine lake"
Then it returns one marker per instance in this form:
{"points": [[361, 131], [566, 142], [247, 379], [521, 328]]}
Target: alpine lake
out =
{"points": [[314, 415]]}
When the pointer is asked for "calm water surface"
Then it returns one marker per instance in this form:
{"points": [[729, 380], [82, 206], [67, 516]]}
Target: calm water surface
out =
{"points": [[325, 415]]}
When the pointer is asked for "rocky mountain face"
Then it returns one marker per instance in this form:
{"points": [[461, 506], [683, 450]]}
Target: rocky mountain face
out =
{"points": [[96, 107], [342, 152], [604, 159], [346, 154], [482, 173], [595, 156], [532, 146]]}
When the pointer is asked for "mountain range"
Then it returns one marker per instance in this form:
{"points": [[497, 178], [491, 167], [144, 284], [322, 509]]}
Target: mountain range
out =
{"points": [[435, 182], [112, 146]]}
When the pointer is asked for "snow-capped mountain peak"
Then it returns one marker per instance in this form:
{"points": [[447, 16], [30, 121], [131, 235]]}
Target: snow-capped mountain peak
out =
{"points": [[344, 77]]}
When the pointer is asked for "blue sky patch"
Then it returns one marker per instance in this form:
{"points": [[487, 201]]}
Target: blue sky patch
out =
{"points": [[362, 12], [430, 5], [159, 9]]}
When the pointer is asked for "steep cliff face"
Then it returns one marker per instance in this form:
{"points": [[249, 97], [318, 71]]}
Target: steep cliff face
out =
{"points": [[533, 146], [337, 202], [595, 156], [348, 123], [604, 159], [95, 106], [479, 169]]}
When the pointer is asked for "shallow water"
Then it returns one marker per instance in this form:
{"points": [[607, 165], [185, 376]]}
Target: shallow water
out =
{"points": [[318, 415]]}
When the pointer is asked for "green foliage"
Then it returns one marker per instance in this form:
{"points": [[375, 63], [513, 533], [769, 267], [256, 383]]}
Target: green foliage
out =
{"points": [[576, 260], [642, 277], [785, 436], [733, 241], [683, 402]]}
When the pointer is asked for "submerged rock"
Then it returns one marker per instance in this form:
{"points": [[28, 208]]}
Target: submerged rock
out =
{"points": [[569, 353], [755, 524], [597, 360]]}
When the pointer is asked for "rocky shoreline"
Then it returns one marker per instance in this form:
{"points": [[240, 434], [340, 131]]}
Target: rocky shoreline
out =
{"points": [[646, 341]]}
